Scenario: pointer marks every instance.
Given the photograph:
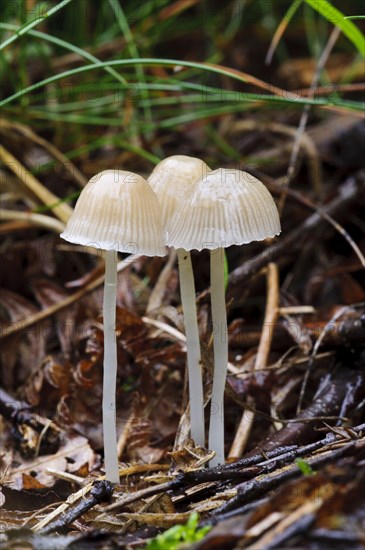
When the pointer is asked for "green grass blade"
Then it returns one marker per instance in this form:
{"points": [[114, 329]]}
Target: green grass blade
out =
{"points": [[31, 24], [67, 46], [189, 115], [281, 29], [178, 63], [337, 18], [128, 35]]}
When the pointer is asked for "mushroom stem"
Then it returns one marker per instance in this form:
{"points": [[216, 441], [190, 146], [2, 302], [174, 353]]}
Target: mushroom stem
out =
{"points": [[110, 369], [220, 347], [187, 290]]}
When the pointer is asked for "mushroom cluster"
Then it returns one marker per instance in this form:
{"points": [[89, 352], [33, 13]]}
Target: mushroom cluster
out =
{"points": [[185, 205]]}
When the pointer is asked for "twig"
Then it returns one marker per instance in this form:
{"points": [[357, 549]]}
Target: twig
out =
{"points": [[39, 220], [271, 316], [297, 521], [144, 508], [329, 326], [66, 302], [66, 476], [343, 387], [305, 142], [263, 484], [74, 497], [245, 468], [296, 310], [62, 210], [159, 290], [305, 114], [142, 493], [258, 467], [164, 327], [274, 460], [100, 491], [329, 216], [56, 153], [349, 332]]}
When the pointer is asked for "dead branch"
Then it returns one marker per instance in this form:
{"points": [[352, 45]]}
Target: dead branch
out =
{"points": [[100, 492]]}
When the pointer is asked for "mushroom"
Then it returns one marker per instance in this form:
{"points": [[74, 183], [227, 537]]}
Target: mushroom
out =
{"points": [[226, 207], [116, 211], [172, 180]]}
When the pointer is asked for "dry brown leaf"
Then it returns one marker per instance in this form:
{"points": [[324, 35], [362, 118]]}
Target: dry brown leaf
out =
{"points": [[30, 482], [189, 458], [72, 455], [23, 352], [48, 293], [14, 519]]}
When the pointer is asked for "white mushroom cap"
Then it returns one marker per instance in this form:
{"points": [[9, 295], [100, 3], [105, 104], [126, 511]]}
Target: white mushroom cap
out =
{"points": [[226, 207], [171, 180], [117, 210]]}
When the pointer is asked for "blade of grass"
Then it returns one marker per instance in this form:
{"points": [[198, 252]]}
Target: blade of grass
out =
{"points": [[56, 153], [281, 29], [190, 116], [48, 207], [217, 69], [337, 18], [138, 151], [67, 46], [36, 219], [127, 33], [214, 110], [31, 24], [215, 137], [282, 95], [62, 211]]}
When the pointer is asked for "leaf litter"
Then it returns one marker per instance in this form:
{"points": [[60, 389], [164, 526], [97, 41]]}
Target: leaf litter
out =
{"points": [[54, 377], [296, 476]]}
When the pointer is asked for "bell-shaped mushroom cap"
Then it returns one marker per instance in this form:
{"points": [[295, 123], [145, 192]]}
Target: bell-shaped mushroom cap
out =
{"points": [[226, 207], [171, 180], [117, 210]]}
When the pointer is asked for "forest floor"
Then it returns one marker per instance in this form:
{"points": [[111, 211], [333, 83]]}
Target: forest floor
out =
{"points": [[295, 392]]}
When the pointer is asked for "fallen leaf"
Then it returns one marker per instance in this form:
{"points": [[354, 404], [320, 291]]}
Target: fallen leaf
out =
{"points": [[74, 453]]}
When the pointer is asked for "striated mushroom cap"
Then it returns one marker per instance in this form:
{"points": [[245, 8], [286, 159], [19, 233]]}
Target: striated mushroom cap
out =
{"points": [[117, 210], [225, 207], [171, 180]]}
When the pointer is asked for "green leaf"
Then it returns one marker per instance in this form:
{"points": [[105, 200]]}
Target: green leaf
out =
{"points": [[337, 18], [304, 467], [175, 536]]}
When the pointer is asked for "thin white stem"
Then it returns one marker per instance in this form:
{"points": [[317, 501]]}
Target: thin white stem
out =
{"points": [[110, 369], [220, 347], [187, 291]]}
